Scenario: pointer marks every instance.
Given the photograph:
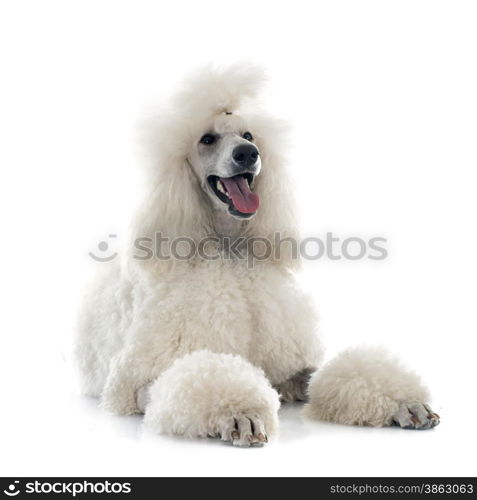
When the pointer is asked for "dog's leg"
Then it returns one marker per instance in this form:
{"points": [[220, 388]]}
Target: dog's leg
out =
{"points": [[368, 387], [205, 394], [129, 372], [296, 387]]}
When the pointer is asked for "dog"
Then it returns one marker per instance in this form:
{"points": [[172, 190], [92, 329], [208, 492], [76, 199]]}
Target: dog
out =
{"points": [[208, 345]]}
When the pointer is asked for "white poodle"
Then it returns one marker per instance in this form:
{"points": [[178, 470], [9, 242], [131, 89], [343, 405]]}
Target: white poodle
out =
{"points": [[195, 327]]}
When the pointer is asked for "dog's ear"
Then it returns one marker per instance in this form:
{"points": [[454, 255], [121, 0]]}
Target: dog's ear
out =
{"points": [[173, 209], [175, 206], [277, 218]]}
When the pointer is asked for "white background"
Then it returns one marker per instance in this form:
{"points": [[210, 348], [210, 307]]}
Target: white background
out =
{"points": [[382, 96]]}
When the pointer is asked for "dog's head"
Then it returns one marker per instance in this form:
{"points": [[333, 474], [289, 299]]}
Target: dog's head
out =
{"points": [[212, 149], [226, 161]]}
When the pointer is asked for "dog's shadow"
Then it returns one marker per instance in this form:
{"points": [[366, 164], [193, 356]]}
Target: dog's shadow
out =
{"points": [[293, 426]]}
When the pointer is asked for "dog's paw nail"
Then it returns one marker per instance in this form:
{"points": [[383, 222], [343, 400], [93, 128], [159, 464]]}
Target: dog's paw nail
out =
{"points": [[415, 415], [433, 419], [415, 420], [262, 438]]}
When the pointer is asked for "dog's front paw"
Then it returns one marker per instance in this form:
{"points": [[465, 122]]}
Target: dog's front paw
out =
{"points": [[216, 395], [415, 415], [243, 430]]}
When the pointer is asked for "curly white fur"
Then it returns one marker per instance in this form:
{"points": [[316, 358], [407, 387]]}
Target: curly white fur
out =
{"points": [[142, 320], [363, 386], [202, 393]]}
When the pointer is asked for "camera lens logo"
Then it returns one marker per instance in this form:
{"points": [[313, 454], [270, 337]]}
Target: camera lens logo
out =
{"points": [[12, 490], [103, 248]]}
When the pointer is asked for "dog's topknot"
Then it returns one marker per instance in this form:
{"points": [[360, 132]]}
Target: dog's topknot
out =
{"points": [[218, 89]]}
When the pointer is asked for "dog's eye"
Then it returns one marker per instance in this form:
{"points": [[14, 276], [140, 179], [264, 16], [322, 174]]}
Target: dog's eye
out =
{"points": [[248, 136], [207, 139]]}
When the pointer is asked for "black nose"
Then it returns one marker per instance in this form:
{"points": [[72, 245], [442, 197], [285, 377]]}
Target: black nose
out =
{"points": [[245, 155]]}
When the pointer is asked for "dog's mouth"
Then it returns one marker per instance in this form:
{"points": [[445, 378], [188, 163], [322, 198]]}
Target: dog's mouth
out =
{"points": [[236, 192]]}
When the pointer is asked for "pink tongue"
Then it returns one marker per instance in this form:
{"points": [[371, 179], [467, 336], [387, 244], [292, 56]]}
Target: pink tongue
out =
{"points": [[243, 199]]}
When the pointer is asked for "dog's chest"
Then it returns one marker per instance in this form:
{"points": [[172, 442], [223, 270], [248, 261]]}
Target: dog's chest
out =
{"points": [[218, 307]]}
